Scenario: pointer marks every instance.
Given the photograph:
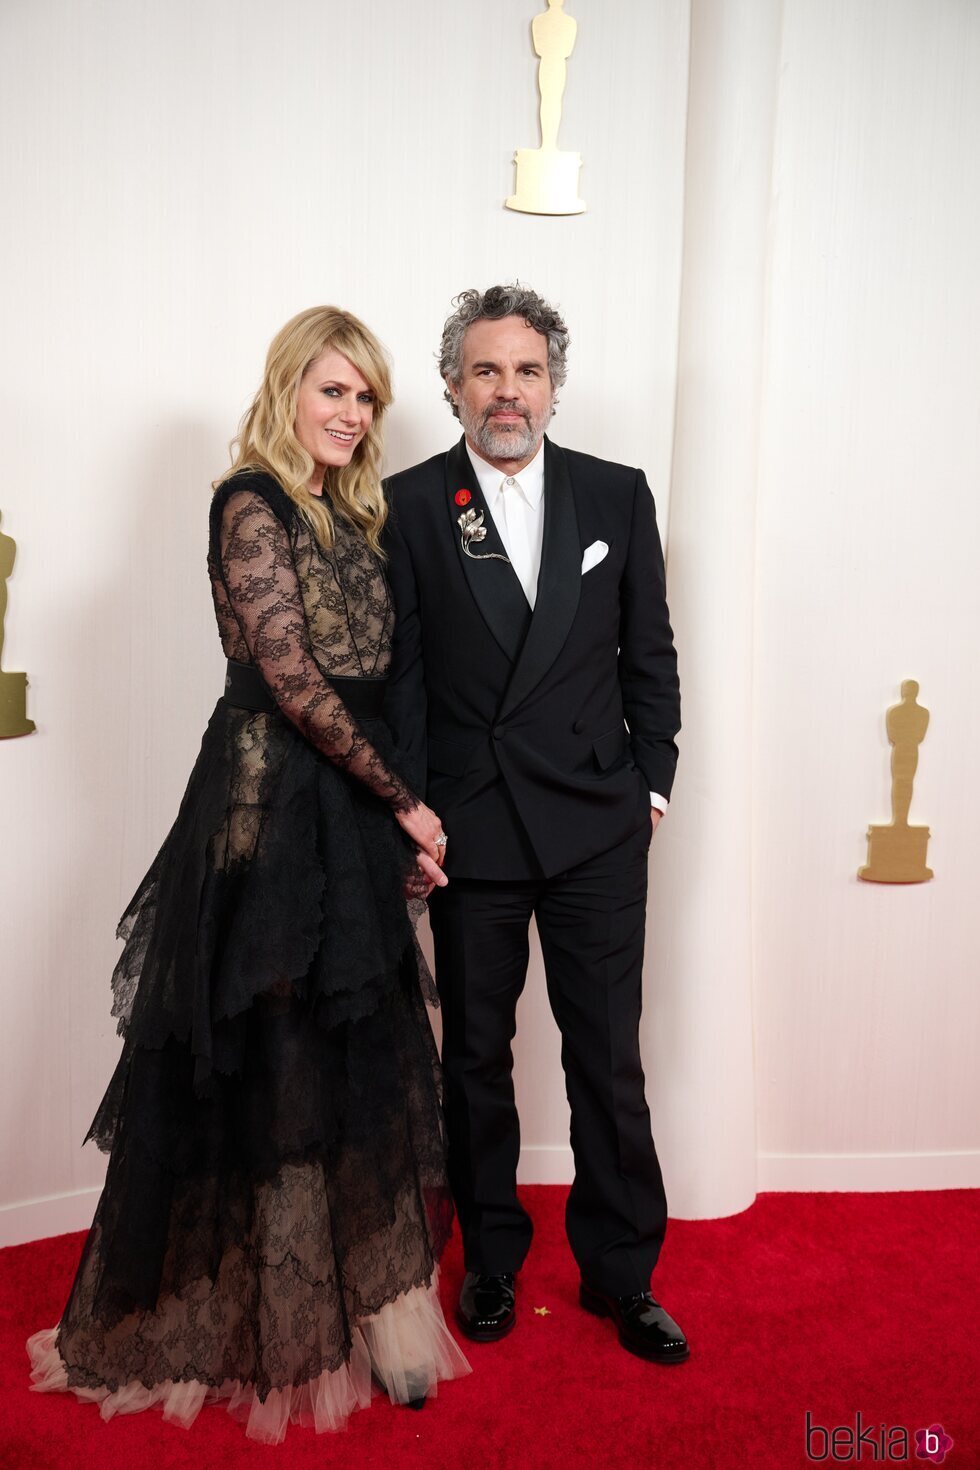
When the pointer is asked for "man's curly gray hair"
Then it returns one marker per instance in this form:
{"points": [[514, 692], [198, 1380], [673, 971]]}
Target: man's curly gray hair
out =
{"points": [[491, 305]]}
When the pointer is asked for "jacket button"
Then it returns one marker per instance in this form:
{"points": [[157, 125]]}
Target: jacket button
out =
{"points": [[578, 727], [499, 731]]}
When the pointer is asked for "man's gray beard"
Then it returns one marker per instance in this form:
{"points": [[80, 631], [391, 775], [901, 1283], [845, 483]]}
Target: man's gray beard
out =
{"points": [[519, 442]]}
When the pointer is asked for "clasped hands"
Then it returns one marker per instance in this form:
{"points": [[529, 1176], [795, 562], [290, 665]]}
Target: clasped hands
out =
{"points": [[423, 827]]}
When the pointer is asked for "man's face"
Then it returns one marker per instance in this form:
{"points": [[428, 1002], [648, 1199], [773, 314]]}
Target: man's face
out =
{"points": [[504, 395]]}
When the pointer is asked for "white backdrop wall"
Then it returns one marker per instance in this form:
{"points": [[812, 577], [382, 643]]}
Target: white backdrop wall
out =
{"points": [[868, 530], [180, 180]]}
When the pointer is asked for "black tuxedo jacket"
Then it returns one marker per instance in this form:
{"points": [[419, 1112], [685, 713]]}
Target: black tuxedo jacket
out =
{"points": [[536, 737]]}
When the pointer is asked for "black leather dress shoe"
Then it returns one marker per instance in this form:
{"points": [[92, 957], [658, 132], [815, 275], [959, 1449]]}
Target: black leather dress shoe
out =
{"points": [[644, 1327], [486, 1306]]}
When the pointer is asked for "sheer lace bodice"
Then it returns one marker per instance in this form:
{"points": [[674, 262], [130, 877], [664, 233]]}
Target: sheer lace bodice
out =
{"points": [[304, 615]]}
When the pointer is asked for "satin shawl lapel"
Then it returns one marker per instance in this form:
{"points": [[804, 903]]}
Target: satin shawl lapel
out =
{"points": [[559, 582], [495, 586]]}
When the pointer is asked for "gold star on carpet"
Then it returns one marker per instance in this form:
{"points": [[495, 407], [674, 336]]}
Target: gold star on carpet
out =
{"points": [[542, 1312]]}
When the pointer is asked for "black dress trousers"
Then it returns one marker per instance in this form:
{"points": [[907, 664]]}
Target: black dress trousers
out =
{"points": [[591, 923]]}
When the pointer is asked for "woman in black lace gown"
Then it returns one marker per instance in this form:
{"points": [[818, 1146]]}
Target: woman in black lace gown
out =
{"points": [[276, 1199]]}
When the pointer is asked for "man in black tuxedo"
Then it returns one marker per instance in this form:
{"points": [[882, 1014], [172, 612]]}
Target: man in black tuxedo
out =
{"points": [[534, 695]]}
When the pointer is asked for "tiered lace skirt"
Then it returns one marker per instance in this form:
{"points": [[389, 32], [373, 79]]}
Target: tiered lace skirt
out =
{"points": [[276, 1200]]}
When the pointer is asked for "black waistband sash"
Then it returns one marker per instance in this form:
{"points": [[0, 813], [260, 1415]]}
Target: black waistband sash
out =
{"points": [[246, 689]]}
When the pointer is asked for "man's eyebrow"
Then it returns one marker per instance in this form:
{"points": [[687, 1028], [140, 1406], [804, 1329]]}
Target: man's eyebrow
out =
{"points": [[529, 363]]}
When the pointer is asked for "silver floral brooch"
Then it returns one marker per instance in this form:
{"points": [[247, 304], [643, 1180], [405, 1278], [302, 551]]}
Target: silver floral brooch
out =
{"points": [[471, 525]]}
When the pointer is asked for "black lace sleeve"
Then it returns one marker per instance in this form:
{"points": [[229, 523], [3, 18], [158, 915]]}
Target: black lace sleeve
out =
{"points": [[259, 575]]}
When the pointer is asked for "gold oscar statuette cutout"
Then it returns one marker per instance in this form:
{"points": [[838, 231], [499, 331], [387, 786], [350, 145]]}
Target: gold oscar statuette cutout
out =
{"points": [[13, 687], [547, 177], [897, 853]]}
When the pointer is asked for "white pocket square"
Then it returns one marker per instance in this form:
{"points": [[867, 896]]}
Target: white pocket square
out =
{"points": [[593, 555]]}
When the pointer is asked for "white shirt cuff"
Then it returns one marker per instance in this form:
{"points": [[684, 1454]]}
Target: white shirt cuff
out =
{"points": [[660, 802]]}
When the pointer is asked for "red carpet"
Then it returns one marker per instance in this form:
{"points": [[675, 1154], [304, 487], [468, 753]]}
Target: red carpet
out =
{"points": [[832, 1303]]}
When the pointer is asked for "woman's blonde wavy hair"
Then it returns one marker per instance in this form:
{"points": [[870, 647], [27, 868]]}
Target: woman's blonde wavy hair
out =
{"points": [[266, 436]]}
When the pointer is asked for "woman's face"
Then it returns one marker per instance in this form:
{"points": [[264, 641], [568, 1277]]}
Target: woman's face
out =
{"points": [[334, 410]]}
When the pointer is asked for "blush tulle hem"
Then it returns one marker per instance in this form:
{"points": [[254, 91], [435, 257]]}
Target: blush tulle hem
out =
{"points": [[406, 1348]]}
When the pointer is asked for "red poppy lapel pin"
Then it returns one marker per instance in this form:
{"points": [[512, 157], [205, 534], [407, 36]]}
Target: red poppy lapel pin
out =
{"points": [[463, 497]]}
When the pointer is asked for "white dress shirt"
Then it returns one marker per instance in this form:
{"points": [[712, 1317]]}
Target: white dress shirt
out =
{"points": [[516, 503]]}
